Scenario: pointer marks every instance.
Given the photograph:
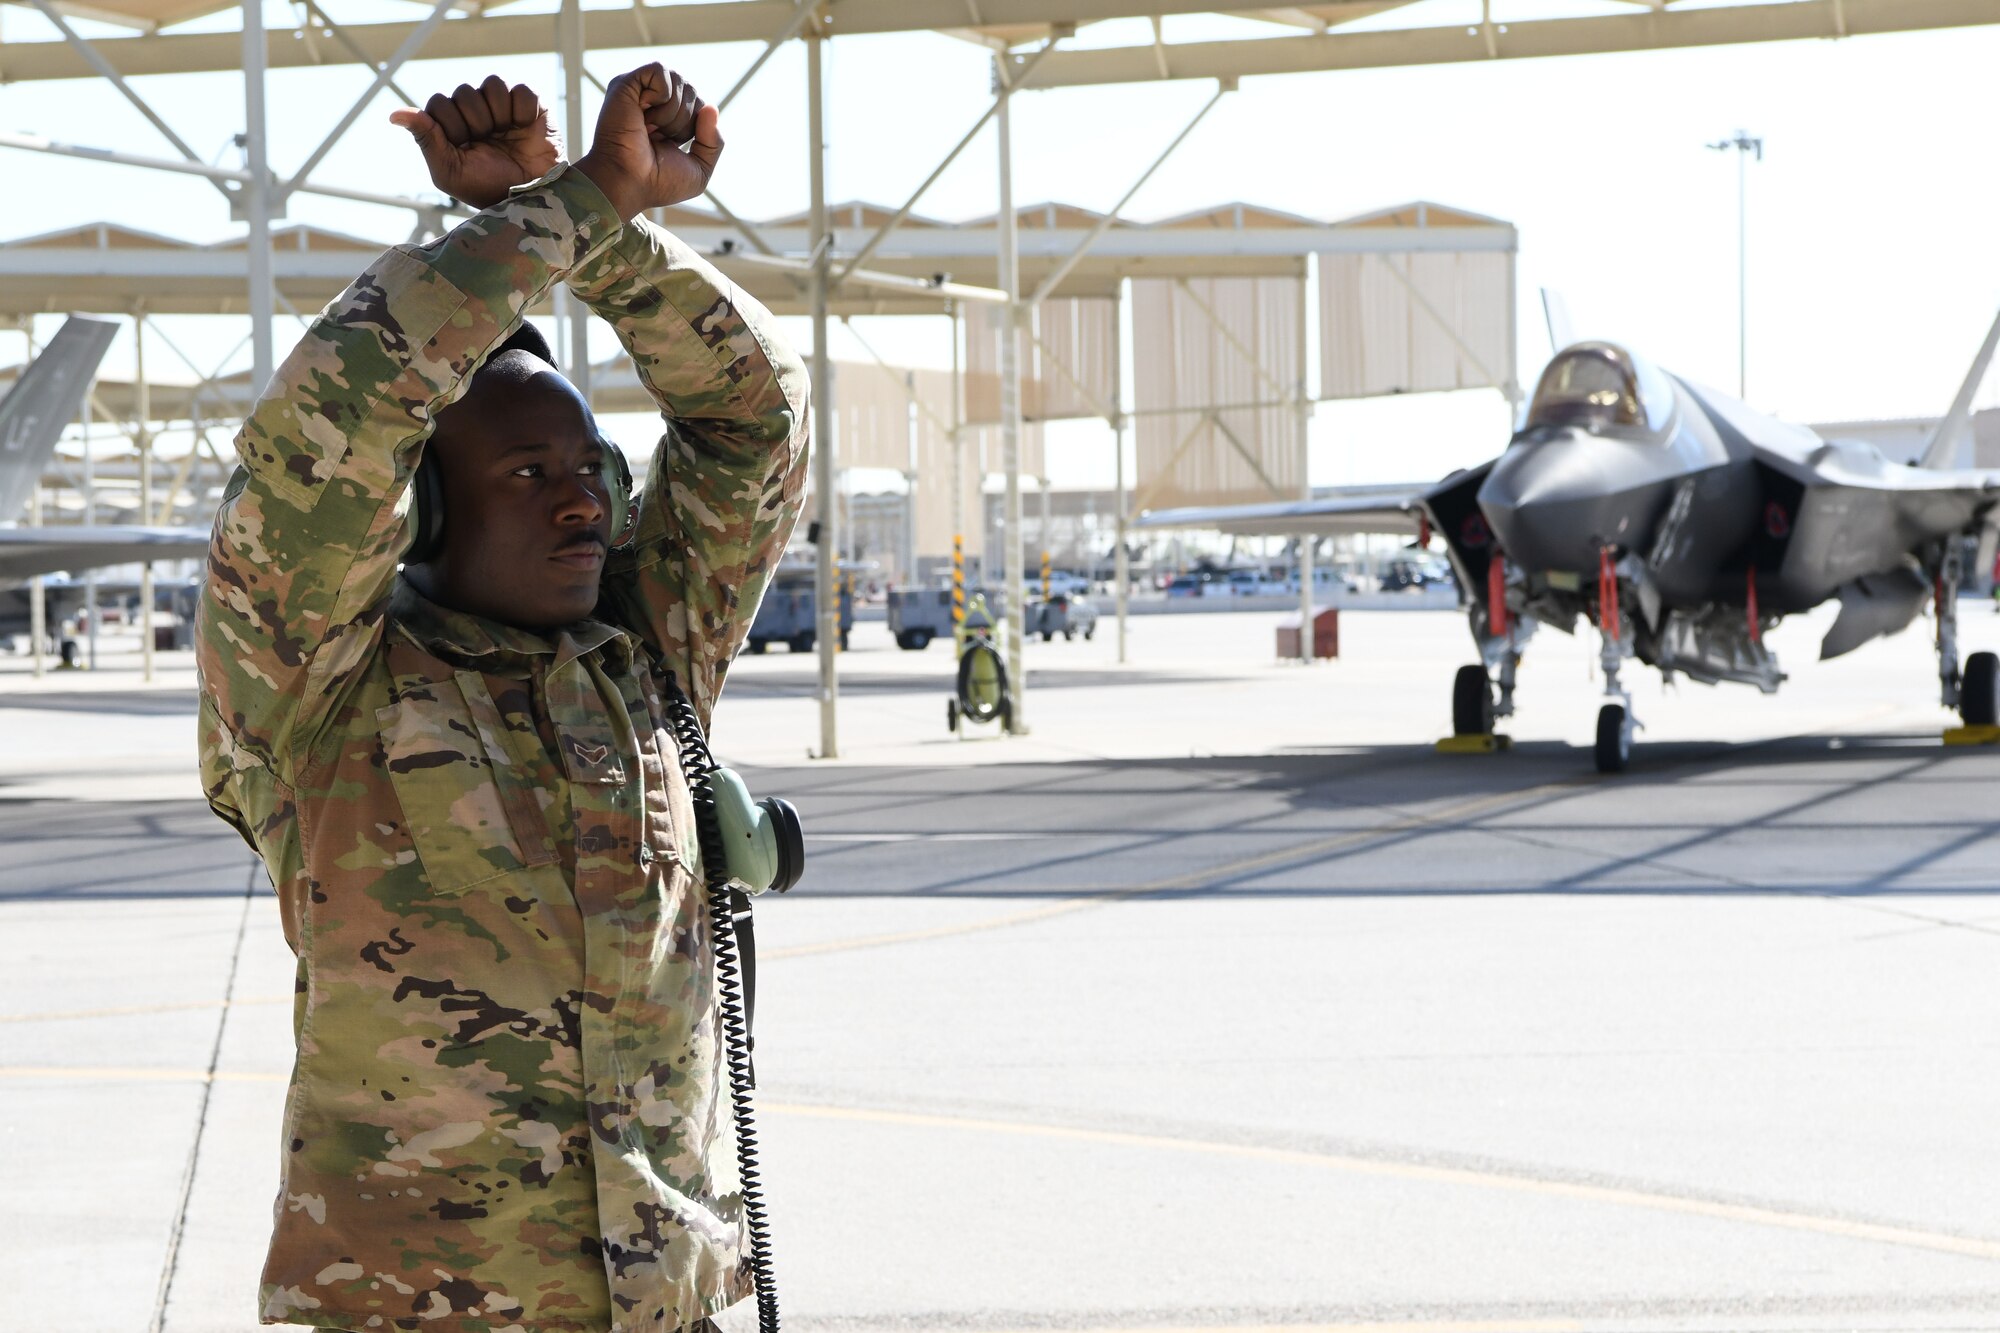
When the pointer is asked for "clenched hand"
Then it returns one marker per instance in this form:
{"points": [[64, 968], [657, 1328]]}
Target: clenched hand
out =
{"points": [[657, 142], [481, 142]]}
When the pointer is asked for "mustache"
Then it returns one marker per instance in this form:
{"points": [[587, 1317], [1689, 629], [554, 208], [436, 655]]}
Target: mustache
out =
{"points": [[580, 541]]}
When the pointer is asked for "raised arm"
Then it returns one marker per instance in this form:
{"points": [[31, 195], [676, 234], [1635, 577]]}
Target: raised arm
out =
{"points": [[728, 477], [726, 481], [310, 532]]}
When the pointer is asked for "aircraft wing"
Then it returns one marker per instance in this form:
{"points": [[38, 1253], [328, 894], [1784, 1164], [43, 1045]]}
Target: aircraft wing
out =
{"points": [[27, 552], [1397, 510]]}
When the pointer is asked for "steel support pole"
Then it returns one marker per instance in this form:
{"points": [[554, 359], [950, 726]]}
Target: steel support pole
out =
{"points": [[38, 598], [257, 201], [826, 587], [957, 478], [1742, 274], [145, 412], [910, 481], [1304, 410], [1010, 414], [1121, 567], [1045, 530], [569, 42], [90, 518]]}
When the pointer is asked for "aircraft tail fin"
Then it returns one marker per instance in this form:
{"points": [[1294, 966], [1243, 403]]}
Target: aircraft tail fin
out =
{"points": [[44, 400], [1941, 450], [1555, 313]]}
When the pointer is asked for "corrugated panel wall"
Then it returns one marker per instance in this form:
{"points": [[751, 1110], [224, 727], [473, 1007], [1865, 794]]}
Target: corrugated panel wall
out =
{"points": [[1375, 337], [1215, 366], [1083, 333]]}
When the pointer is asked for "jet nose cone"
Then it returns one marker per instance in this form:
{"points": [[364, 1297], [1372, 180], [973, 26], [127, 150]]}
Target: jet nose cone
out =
{"points": [[1555, 503], [1552, 471]]}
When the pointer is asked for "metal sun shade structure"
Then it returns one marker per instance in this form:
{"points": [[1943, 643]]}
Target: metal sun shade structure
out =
{"points": [[1218, 365], [1023, 37]]}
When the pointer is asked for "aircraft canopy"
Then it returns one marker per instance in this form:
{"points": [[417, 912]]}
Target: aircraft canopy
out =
{"points": [[1601, 385]]}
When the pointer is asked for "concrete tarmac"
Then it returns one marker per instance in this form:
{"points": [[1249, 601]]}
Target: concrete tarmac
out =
{"points": [[1219, 1001]]}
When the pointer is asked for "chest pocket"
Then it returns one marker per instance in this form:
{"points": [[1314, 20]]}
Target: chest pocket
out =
{"points": [[470, 807]]}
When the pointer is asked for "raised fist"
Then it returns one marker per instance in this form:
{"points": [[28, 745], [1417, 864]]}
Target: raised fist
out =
{"points": [[481, 142], [657, 142]]}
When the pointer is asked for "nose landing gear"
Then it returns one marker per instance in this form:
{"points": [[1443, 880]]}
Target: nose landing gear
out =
{"points": [[1615, 723]]}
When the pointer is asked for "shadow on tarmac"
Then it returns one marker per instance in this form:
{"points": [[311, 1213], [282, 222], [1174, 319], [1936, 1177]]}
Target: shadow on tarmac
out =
{"points": [[1793, 816]]}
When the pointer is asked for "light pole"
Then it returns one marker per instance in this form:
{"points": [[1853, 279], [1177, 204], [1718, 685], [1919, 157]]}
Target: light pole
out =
{"points": [[1744, 146]]}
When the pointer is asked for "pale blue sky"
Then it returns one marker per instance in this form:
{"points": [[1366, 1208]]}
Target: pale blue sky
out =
{"points": [[1873, 275]]}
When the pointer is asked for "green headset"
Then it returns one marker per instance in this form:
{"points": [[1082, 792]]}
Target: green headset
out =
{"points": [[427, 487]]}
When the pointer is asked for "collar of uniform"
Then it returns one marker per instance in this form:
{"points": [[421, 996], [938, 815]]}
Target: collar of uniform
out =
{"points": [[463, 636]]}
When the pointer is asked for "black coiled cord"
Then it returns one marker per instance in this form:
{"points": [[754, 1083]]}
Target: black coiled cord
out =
{"points": [[724, 903]]}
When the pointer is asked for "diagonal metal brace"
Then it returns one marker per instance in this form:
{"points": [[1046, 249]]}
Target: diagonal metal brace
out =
{"points": [[1229, 335], [1424, 304], [1074, 257], [383, 76], [95, 59], [882, 233]]}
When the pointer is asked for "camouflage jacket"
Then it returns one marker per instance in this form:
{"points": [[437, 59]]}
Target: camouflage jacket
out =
{"points": [[507, 1112]]}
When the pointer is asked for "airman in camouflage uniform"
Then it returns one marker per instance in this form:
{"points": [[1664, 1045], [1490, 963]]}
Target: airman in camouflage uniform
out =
{"points": [[507, 1113]]}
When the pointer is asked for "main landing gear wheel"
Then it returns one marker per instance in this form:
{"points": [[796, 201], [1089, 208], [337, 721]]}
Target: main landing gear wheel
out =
{"points": [[951, 715], [1614, 739], [1471, 702], [1979, 691]]}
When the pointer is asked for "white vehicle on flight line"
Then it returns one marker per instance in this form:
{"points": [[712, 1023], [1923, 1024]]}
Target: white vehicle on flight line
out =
{"points": [[1682, 525]]}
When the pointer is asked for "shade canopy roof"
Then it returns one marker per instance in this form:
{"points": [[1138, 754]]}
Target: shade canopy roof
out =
{"points": [[109, 268], [1346, 34]]}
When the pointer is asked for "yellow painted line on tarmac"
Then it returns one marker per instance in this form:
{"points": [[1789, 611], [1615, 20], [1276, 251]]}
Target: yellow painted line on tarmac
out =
{"points": [[1843, 1228], [1193, 880], [1398, 1326], [131, 1010], [1613, 1196]]}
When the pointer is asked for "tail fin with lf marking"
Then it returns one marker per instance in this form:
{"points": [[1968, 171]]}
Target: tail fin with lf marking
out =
{"points": [[44, 400]]}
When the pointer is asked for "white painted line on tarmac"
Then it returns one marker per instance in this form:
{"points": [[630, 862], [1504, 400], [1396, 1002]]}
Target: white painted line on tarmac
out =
{"points": [[132, 1010], [132, 1074], [1843, 1228]]}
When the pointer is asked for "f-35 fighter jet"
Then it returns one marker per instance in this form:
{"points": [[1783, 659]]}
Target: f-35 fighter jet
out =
{"points": [[1682, 525]]}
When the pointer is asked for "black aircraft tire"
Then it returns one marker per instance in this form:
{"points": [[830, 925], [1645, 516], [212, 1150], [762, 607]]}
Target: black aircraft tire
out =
{"points": [[1471, 702], [920, 639], [951, 715], [1979, 691], [1613, 751]]}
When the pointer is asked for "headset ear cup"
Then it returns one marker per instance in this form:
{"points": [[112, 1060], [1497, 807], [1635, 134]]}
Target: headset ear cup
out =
{"points": [[426, 520], [618, 485]]}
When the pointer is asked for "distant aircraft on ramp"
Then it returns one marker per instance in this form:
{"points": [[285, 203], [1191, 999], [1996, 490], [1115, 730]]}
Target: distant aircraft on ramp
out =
{"points": [[45, 399], [1683, 525]]}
